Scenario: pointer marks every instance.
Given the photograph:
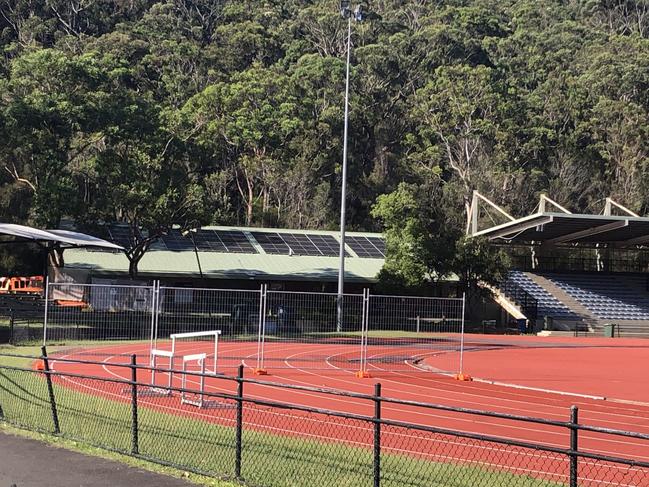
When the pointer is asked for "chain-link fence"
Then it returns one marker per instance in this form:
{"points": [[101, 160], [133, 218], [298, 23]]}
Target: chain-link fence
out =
{"points": [[249, 432]]}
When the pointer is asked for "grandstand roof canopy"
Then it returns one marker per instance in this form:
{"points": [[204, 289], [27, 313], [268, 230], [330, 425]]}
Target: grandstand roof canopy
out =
{"points": [[62, 238], [563, 227]]}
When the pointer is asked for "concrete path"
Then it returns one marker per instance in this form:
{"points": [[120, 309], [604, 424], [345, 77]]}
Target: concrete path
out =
{"points": [[30, 463]]}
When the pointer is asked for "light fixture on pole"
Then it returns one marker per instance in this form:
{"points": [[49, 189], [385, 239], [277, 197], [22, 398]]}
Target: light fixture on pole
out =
{"points": [[190, 233], [358, 14]]}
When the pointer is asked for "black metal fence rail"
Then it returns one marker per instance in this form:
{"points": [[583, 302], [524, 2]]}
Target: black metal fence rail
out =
{"points": [[259, 439], [21, 318]]}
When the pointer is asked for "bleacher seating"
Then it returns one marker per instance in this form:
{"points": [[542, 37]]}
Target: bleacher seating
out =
{"points": [[548, 305], [606, 296]]}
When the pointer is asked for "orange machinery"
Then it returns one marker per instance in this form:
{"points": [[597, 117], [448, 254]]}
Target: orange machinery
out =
{"points": [[21, 285]]}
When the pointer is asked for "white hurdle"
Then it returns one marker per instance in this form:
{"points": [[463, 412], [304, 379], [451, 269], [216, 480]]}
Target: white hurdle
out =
{"points": [[196, 398], [197, 334], [185, 394], [155, 353], [171, 354]]}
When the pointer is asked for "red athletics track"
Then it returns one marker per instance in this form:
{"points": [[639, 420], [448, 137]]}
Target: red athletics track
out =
{"points": [[407, 381]]}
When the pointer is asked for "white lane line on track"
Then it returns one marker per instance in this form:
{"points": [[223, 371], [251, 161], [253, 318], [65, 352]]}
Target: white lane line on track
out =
{"points": [[312, 395], [588, 408], [505, 394], [585, 436], [427, 414]]}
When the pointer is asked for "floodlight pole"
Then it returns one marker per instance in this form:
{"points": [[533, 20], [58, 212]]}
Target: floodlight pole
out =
{"points": [[346, 13]]}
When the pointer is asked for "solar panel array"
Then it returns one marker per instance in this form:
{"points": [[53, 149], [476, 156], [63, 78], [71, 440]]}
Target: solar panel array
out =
{"points": [[297, 244], [272, 243], [368, 247], [227, 241], [236, 241], [119, 234]]}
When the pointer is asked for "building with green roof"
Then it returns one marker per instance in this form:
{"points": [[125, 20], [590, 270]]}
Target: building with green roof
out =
{"points": [[235, 257]]}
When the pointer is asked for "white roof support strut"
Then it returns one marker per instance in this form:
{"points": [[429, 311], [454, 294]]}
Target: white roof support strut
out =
{"points": [[544, 200], [475, 210], [610, 203]]}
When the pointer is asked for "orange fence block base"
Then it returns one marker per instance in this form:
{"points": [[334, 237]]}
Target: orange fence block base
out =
{"points": [[363, 374], [463, 377], [260, 372]]}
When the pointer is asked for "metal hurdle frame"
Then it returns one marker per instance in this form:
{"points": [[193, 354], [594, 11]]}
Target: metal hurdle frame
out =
{"points": [[155, 390], [184, 399], [201, 402], [195, 334], [171, 354]]}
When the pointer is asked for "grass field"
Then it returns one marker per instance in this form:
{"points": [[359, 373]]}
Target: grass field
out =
{"points": [[199, 446]]}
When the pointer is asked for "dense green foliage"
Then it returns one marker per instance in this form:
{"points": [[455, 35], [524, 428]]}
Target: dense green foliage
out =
{"points": [[230, 112]]}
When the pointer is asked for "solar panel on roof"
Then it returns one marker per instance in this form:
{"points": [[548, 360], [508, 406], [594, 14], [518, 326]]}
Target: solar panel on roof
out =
{"points": [[379, 243], [235, 241], [119, 234], [175, 241], [363, 247], [100, 232], [206, 241], [209, 241], [272, 243], [300, 244], [326, 244]]}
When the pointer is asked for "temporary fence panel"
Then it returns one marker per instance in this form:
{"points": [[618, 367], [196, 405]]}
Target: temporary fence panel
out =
{"points": [[97, 312], [233, 312], [302, 330], [402, 331], [263, 329]]}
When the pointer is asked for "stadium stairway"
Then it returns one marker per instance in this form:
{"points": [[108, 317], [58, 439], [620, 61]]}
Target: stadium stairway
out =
{"points": [[578, 311], [563, 316]]}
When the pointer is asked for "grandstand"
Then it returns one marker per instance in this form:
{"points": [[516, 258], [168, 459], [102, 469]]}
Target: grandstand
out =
{"points": [[572, 272]]}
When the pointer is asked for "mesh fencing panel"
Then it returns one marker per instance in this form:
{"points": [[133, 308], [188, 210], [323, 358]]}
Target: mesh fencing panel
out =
{"points": [[404, 330], [302, 330], [98, 312], [236, 313]]}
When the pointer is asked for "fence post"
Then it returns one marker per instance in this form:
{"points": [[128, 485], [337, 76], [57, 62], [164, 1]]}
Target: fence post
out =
{"points": [[261, 338], [574, 445], [135, 440], [461, 365], [362, 372], [377, 434], [50, 390], [45, 316], [11, 327], [239, 432]]}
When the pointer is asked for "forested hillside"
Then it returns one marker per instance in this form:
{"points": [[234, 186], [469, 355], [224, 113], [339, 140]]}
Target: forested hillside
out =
{"points": [[230, 111]]}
